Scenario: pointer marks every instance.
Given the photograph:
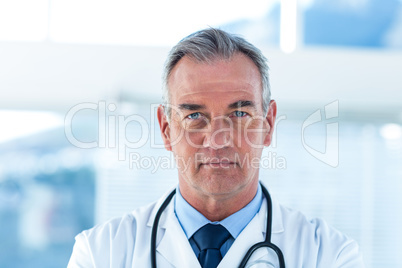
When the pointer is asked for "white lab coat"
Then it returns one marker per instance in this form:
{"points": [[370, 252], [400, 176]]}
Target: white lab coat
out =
{"points": [[125, 242]]}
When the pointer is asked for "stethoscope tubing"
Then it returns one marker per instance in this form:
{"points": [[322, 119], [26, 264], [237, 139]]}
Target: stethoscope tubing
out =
{"points": [[155, 227], [268, 232], [265, 243]]}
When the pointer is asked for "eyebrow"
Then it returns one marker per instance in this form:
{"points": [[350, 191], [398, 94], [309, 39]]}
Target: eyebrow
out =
{"points": [[241, 103], [234, 105], [191, 107]]}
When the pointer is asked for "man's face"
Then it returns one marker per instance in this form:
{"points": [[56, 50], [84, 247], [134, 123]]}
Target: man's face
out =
{"points": [[217, 128]]}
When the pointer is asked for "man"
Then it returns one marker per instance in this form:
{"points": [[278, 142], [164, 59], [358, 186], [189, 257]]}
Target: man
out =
{"points": [[216, 119]]}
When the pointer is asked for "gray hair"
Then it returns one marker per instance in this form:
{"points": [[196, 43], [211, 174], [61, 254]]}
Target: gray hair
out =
{"points": [[211, 44]]}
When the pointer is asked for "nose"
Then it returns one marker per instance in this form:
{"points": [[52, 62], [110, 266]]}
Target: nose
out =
{"points": [[220, 134]]}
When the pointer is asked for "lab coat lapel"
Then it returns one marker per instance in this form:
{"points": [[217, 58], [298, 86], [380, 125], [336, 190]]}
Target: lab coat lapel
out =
{"points": [[174, 245], [252, 234]]}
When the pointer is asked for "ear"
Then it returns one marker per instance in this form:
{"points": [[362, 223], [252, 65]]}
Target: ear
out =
{"points": [[271, 116], [164, 127]]}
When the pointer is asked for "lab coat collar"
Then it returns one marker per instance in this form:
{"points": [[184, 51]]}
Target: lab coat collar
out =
{"points": [[181, 254], [172, 242], [277, 218], [277, 222], [156, 208], [252, 234]]}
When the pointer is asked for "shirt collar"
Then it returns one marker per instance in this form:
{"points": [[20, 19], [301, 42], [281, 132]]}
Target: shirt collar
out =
{"points": [[191, 220]]}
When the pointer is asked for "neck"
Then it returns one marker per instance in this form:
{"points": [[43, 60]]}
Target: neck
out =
{"points": [[216, 207]]}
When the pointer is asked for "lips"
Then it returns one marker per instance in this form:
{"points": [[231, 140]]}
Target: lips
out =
{"points": [[216, 160], [218, 163]]}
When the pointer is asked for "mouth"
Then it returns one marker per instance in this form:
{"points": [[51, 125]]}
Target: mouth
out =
{"points": [[218, 164]]}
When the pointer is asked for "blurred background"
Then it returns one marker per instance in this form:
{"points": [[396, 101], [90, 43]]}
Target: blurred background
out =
{"points": [[80, 82]]}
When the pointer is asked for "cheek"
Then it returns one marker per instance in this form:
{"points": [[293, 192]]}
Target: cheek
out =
{"points": [[187, 136], [176, 135], [253, 134], [187, 144]]}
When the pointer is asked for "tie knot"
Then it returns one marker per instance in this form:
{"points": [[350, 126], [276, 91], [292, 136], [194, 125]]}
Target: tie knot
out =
{"points": [[211, 236]]}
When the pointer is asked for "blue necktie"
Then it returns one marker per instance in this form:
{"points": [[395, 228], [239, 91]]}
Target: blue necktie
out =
{"points": [[209, 240]]}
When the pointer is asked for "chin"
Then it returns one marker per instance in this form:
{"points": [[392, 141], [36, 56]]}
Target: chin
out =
{"points": [[218, 184]]}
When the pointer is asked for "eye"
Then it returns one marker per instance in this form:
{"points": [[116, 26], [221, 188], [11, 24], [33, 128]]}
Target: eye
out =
{"points": [[193, 116], [239, 113]]}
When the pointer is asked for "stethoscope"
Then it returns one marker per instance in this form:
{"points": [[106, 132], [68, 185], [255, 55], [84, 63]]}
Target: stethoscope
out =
{"points": [[266, 243]]}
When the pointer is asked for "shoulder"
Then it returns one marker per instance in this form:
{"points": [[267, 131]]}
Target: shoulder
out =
{"points": [[120, 227], [130, 223], [118, 242], [315, 229], [316, 240], [115, 237]]}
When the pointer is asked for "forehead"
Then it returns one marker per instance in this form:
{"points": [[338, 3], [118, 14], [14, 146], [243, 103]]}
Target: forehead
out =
{"points": [[192, 81]]}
